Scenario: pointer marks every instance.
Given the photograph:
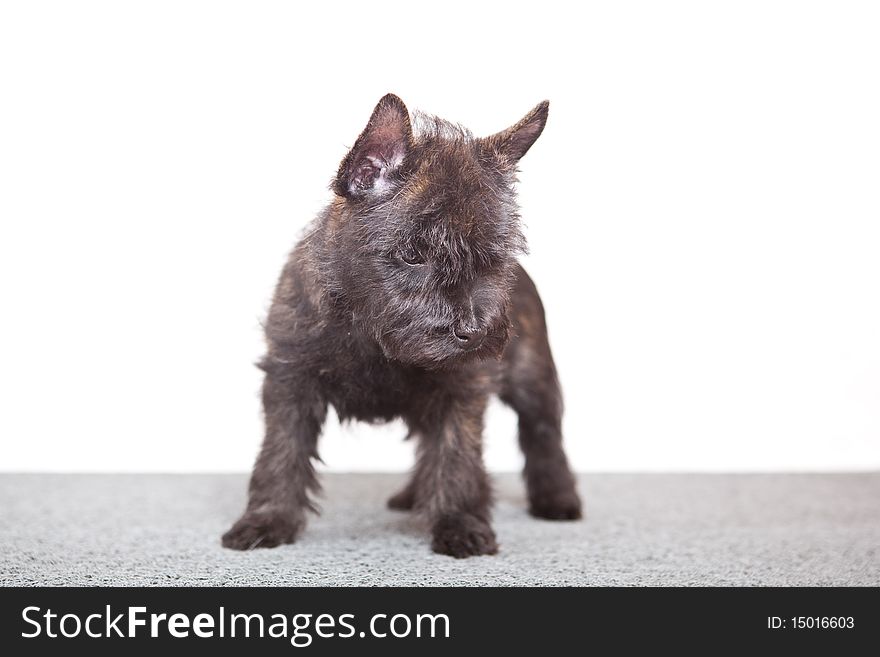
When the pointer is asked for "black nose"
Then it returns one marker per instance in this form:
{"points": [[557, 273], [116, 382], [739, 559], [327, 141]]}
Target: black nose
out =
{"points": [[468, 338]]}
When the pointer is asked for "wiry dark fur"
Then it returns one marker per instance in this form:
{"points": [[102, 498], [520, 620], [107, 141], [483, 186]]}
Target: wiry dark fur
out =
{"points": [[405, 299]]}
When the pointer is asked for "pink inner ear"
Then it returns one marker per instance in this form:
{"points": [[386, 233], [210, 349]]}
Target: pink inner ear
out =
{"points": [[364, 176], [375, 159], [380, 149]]}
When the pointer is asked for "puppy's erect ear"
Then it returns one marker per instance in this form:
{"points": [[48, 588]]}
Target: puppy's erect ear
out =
{"points": [[378, 153], [514, 142]]}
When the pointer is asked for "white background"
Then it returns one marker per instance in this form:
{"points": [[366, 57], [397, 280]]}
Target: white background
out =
{"points": [[703, 211]]}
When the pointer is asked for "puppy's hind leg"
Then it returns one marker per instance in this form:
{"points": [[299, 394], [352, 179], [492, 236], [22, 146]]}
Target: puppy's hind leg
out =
{"points": [[530, 386], [549, 481], [404, 499]]}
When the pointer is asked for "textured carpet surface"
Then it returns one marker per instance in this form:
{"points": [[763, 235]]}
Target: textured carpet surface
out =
{"points": [[640, 530]]}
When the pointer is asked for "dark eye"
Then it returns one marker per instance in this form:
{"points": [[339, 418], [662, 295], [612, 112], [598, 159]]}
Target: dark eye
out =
{"points": [[412, 258]]}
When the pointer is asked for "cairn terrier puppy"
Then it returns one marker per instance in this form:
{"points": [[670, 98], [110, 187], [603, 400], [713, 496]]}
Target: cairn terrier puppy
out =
{"points": [[405, 300]]}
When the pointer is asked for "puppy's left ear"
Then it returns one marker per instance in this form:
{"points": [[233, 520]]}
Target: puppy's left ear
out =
{"points": [[378, 153], [514, 142]]}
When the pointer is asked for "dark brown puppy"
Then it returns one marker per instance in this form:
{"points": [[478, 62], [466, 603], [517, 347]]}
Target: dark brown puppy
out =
{"points": [[405, 299]]}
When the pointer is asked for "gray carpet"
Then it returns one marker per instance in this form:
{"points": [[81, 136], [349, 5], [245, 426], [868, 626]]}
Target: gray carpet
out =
{"points": [[640, 530]]}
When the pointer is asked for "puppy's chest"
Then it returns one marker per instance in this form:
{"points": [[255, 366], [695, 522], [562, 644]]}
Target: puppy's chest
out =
{"points": [[368, 390]]}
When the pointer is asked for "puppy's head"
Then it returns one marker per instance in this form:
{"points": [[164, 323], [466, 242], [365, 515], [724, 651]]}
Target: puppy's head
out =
{"points": [[426, 233]]}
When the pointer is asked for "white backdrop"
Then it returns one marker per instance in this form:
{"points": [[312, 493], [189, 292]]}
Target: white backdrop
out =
{"points": [[703, 211]]}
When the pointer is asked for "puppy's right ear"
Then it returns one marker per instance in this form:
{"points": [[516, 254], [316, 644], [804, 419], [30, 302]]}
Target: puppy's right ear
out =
{"points": [[378, 153]]}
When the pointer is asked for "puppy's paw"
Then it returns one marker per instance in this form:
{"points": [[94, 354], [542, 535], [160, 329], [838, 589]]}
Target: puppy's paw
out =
{"points": [[403, 500], [263, 530], [463, 536], [556, 505]]}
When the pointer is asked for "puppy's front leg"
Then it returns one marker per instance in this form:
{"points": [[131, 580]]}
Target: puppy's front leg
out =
{"points": [[284, 473], [451, 482]]}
